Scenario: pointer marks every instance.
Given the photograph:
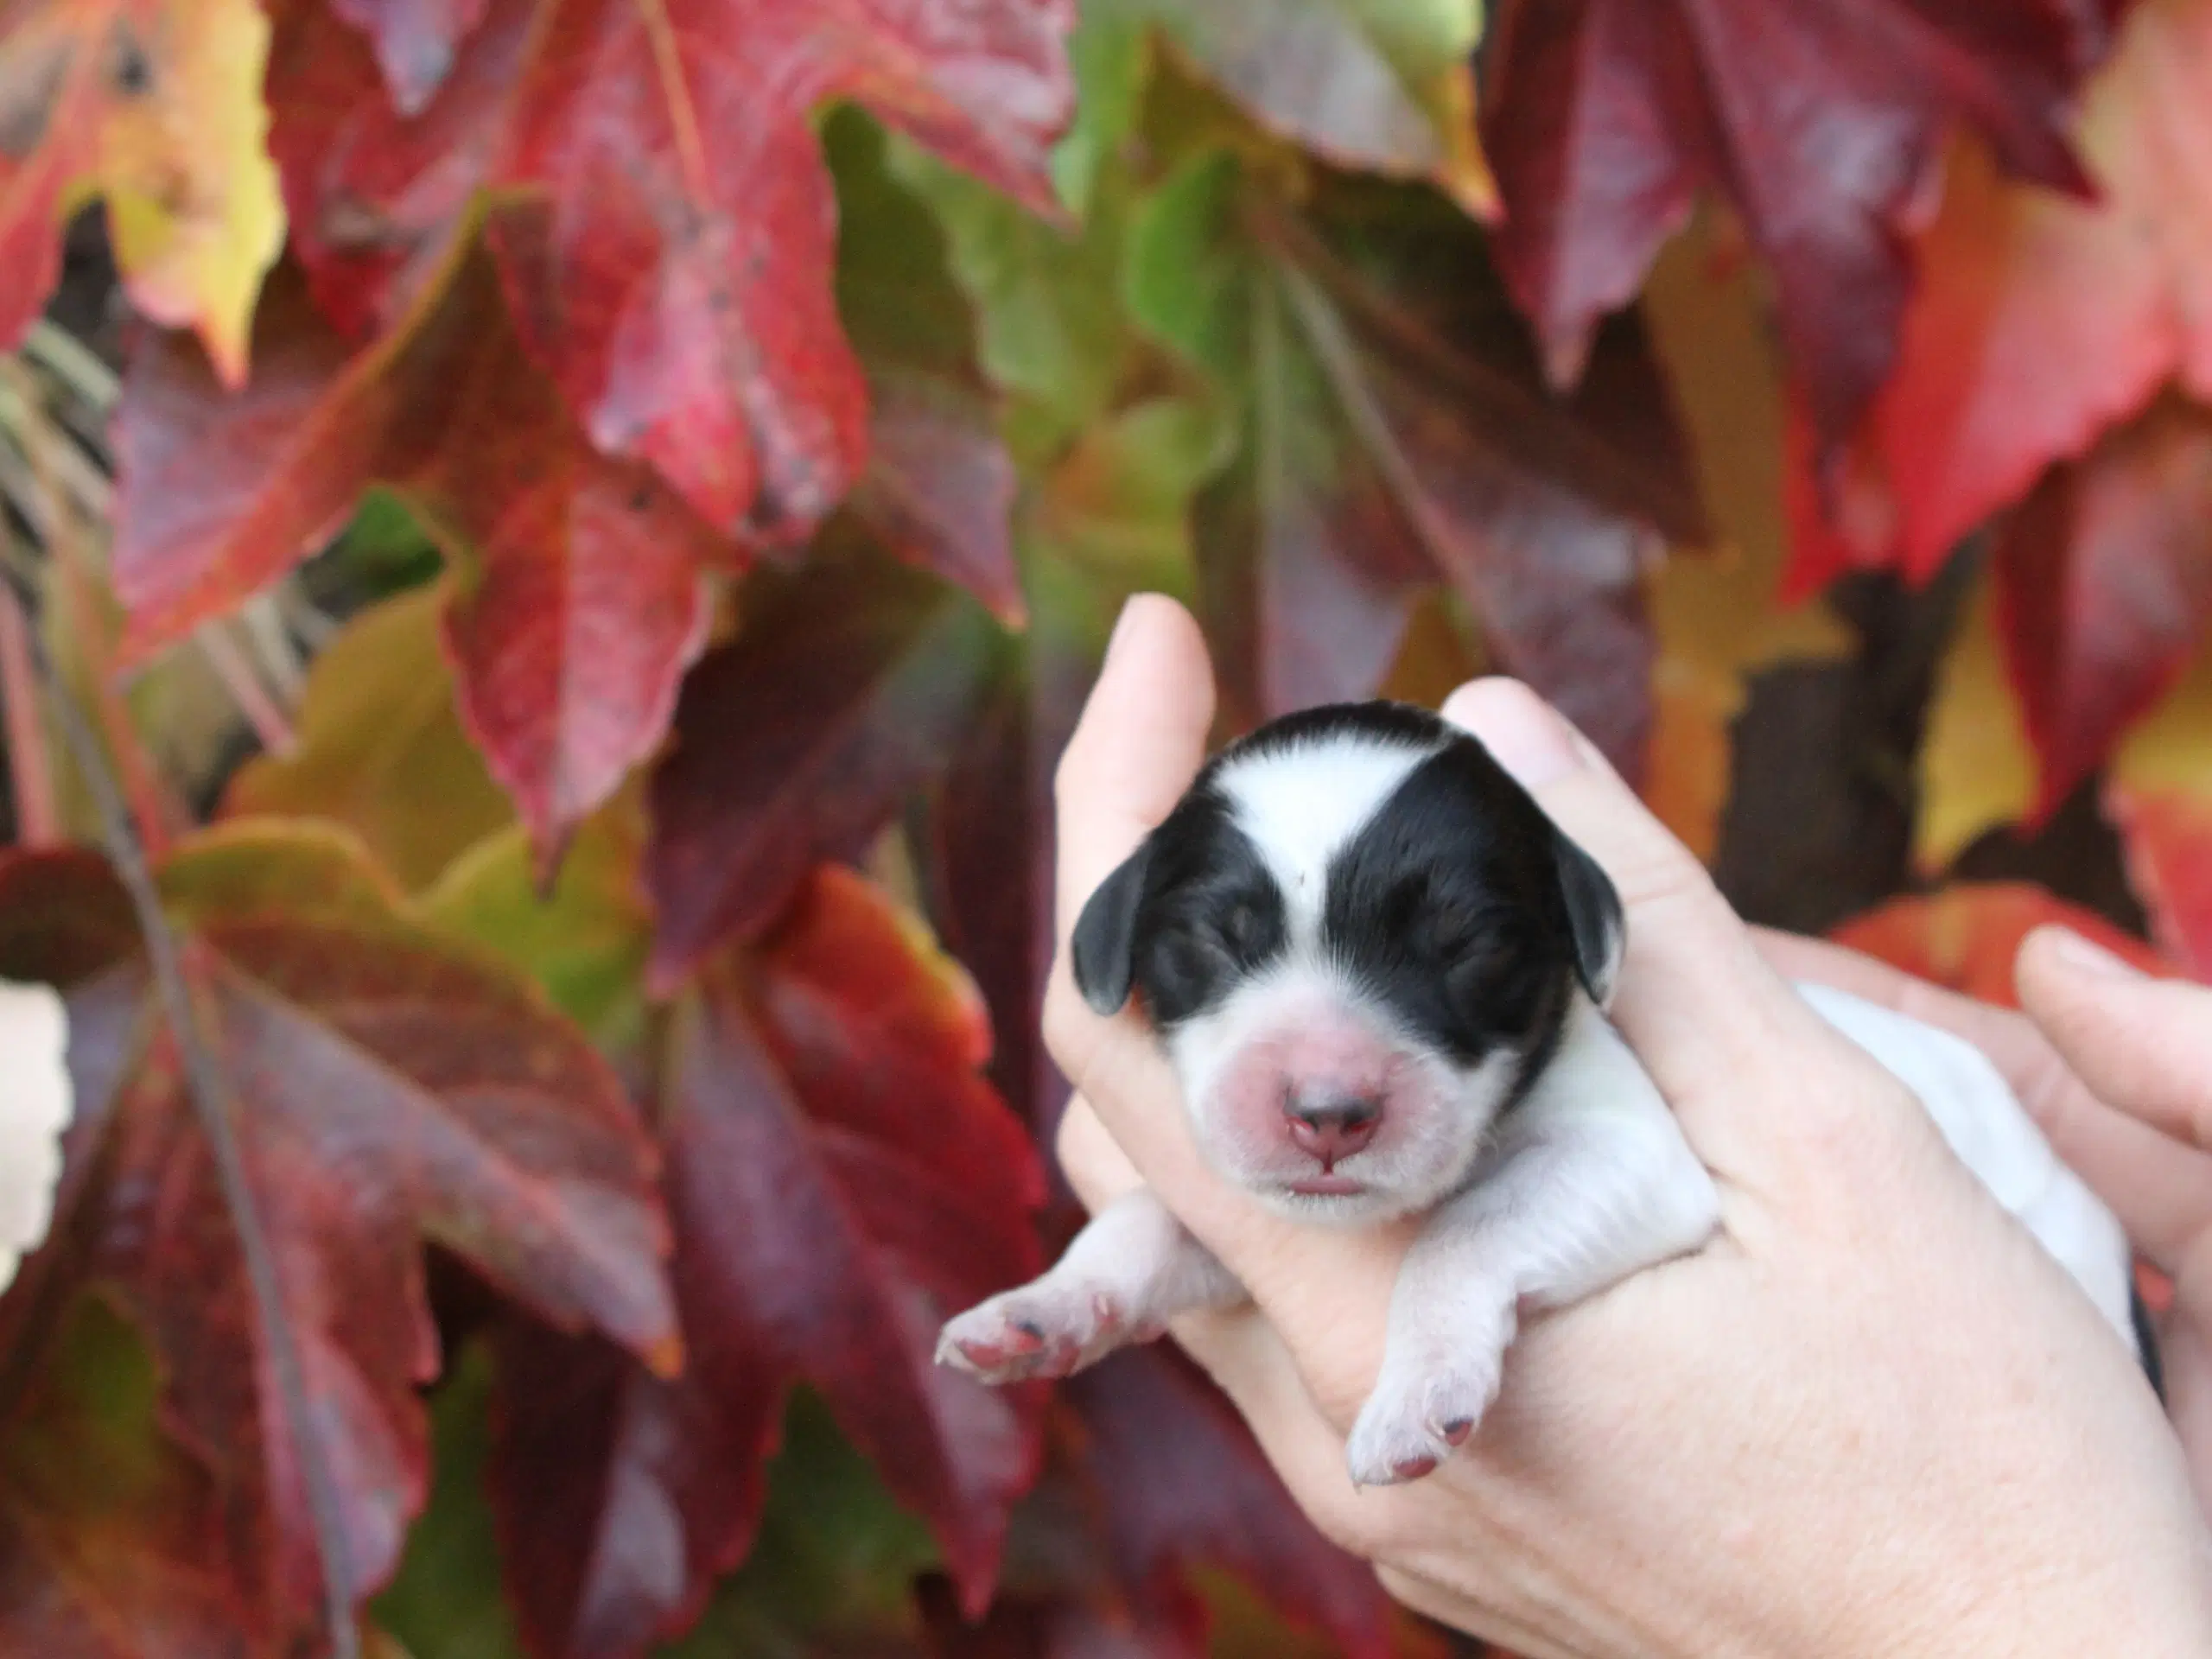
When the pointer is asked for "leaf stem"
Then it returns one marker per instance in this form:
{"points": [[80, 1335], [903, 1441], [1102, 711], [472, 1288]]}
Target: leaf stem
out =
{"points": [[211, 1100], [154, 804], [38, 808], [243, 681]]}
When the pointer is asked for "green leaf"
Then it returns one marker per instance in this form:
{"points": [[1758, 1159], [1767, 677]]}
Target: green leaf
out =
{"points": [[585, 942], [111, 1540], [1397, 432], [1047, 303], [445, 1602], [1118, 505], [1384, 87], [896, 295], [1188, 276], [381, 748], [834, 1557], [1110, 56]]}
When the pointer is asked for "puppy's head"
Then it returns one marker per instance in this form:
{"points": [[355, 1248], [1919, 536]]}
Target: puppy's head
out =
{"points": [[1358, 939]]}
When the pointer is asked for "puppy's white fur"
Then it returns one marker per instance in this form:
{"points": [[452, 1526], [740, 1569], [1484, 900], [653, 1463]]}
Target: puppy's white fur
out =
{"points": [[1586, 1182], [1991, 1133], [1299, 808]]}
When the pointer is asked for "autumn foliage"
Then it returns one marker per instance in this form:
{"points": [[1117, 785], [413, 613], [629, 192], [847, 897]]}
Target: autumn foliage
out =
{"points": [[580, 528]]}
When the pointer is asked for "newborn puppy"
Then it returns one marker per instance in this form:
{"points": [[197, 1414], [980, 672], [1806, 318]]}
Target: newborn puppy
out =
{"points": [[1379, 972]]}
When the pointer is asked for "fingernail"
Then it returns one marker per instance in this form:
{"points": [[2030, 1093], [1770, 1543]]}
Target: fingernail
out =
{"points": [[2084, 957], [1523, 731]]}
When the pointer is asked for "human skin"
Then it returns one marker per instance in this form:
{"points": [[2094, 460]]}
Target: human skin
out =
{"points": [[1872, 1417]]}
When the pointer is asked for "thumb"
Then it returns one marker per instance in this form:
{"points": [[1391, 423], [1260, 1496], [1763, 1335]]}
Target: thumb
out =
{"points": [[2142, 1045], [1720, 1032]]}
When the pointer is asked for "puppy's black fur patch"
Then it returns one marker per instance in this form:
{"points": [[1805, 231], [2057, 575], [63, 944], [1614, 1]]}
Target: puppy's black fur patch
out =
{"points": [[1457, 905], [1447, 906]]}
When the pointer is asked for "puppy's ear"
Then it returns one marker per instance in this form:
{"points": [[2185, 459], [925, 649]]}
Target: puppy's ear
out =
{"points": [[1594, 913], [1103, 947]]}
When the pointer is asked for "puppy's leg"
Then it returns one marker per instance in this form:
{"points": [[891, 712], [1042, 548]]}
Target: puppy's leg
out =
{"points": [[1590, 1182], [1123, 1277]]}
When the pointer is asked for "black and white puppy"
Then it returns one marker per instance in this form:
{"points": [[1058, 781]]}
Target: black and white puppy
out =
{"points": [[1379, 971]]}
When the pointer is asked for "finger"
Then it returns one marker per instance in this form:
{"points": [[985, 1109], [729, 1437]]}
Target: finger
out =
{"points": [[1247, 1357], [1717, 1029], [1141, 740], [2160, 1189], [1329, 1292], [2008, 1038], [1096, 1167], [2143, 1045]]}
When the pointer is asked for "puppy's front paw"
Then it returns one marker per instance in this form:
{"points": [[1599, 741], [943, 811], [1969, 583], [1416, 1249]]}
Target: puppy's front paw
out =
{"points": [[1426, 1404], [1039, 1330]]}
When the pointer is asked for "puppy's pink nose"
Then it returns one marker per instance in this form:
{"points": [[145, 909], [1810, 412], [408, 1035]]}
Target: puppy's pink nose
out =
{"points": [[1332, 1127]]}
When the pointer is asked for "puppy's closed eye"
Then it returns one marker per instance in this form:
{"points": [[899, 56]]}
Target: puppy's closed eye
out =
{"points": [[1244, 928]]}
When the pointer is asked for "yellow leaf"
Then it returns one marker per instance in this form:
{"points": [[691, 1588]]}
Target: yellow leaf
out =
{"points": [[154, 106], [2172, 747], [1715, 614], [381, 748], [2158, 797], [1436, 655], [1977, 770], [192, 204]]}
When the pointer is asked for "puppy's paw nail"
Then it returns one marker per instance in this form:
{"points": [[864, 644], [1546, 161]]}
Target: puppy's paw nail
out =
{"points": [[1389, 1443], [1455, 1432], [1036, 1332]]}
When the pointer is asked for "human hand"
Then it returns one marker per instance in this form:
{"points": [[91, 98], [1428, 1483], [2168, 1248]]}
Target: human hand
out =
{"points": [[1872, 1417], [2117, 1068]]}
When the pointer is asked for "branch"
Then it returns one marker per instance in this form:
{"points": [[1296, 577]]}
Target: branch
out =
{"points": [[212, 1104]]}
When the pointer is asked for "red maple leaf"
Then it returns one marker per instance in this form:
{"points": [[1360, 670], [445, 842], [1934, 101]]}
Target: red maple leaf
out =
{"points": [[1399, 431], [1965, 936], [668, 226], [416, 41], [111, 1534], [372, 187], [2103, 576], [1184, 1486], [49, 108], [989, 852], [2167, 838], [1155, 1480], [2039, 319], [938, 491], [2032, 365], [2104, 589], [394, 1091], [940, 488], [841, 1179], [581, 590], [797, 743], [1820, 122]]}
